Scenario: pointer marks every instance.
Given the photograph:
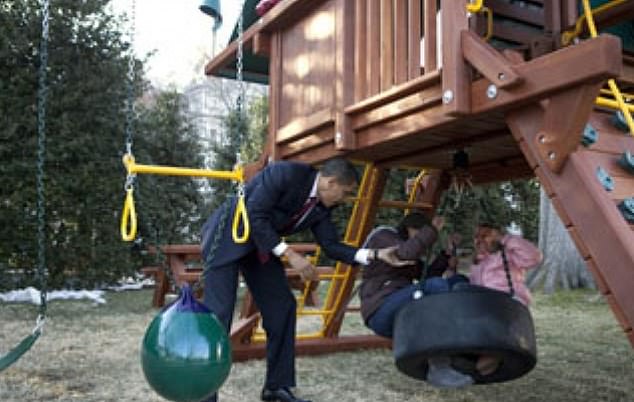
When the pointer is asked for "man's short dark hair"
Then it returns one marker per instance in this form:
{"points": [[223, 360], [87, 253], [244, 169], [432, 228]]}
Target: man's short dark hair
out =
{"points": [[340, 169]]}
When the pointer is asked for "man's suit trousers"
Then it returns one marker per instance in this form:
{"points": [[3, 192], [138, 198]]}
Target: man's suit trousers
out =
{"points": [[273, 296]]}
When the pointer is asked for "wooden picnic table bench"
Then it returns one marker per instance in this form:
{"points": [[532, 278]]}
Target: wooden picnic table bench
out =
{"points": [[186, 265]]}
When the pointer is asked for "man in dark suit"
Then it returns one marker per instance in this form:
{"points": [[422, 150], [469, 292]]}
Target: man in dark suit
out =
{"points": [[284, 198]]}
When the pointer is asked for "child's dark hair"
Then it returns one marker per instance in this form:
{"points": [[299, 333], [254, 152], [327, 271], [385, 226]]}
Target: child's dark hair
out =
{"points": [[415, 220], [490, 225]]}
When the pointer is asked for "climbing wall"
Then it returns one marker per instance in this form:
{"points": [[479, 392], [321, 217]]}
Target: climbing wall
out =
{"points": [[587, 194]]}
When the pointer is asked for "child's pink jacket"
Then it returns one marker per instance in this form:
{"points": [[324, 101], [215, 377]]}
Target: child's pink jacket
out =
{"points": [[521, 255]]}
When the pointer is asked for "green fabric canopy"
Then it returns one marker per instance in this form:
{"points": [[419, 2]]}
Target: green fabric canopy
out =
{"points": [[254, 68]]}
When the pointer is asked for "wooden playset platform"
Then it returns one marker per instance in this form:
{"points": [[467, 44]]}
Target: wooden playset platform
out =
{"points": [[411, 82]]}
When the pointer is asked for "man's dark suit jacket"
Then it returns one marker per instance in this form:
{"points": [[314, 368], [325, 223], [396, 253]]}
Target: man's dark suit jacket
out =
{"points": [[273, 196]]}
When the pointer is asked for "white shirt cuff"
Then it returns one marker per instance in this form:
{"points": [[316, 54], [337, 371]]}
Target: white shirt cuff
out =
{"points": [[280, 248], [362, 256]]}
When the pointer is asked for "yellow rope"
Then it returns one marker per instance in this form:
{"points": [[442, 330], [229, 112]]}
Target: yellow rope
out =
{"points": [[568, 36]]}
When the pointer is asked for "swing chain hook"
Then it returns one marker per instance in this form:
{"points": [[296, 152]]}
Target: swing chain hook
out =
{"points": [[129, 182], [39, 324]]}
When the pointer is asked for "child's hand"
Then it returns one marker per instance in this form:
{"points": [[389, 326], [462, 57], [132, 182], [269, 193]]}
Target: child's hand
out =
{"points": [[438, 222]]}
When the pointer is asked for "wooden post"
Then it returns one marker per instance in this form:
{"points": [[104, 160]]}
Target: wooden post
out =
{"points": [[275, 92], [401, 64], [455, 72], [430, 51], [374, 47], [569, 14], [345, 80], [413, 42], [361, 50], [387, 44], [552, 17]]}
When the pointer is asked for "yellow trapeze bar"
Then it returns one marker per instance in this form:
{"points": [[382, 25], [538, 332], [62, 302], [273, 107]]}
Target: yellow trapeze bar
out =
{"points": [[129, 212], [134, 168]]}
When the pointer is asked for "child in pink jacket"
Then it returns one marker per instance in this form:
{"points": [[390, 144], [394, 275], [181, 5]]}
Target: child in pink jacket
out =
{"points": [[501, 261], [492, 247]]}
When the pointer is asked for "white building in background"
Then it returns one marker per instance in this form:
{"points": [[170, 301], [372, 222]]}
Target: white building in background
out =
{"points": [[208, 102]]}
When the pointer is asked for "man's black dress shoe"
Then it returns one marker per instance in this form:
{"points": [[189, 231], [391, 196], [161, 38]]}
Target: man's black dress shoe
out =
{"points": [[281, 394]]}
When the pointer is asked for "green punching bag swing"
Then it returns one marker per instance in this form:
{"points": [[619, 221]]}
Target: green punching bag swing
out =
{"points": [[186, 352]]}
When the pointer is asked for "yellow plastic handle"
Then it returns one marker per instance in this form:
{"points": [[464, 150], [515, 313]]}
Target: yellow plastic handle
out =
{"points": [[474, 6], [489, 14], [241, 213], [129, 214]]}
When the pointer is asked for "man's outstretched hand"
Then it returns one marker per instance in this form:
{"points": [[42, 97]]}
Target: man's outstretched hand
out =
{"points": [[306, 270], [388, 255]]}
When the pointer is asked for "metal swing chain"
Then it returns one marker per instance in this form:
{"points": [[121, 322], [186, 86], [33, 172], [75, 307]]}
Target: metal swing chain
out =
{"points": [[239, 66], [130, 90], [241, 95], [240, 109], [507, 270], [130, 109], [42, 94], [215, 243], [25, 344], [128, 216], [130, 182]]}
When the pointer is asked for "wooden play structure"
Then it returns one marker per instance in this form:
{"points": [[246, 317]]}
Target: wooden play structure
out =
{"points": [[521, 86]]}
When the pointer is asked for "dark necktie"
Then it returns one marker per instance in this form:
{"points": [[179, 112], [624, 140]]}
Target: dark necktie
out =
{"points": [[299, 215]]}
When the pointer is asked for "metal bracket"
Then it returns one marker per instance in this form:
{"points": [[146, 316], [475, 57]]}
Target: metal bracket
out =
{"points": [[566, 114]]}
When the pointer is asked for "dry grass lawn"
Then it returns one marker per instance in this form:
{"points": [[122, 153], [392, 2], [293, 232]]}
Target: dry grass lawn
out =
{"points": [[90, 353]]}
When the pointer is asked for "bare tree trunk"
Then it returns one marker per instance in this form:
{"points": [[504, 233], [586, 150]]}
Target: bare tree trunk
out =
{"points": [[563, 266]]}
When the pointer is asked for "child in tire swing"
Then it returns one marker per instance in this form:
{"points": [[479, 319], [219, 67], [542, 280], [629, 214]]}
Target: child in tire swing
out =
{"points": [[385, 289], [500, 262]]}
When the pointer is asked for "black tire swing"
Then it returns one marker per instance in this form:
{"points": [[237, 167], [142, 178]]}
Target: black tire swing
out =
{"points": [[464, 324]]}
